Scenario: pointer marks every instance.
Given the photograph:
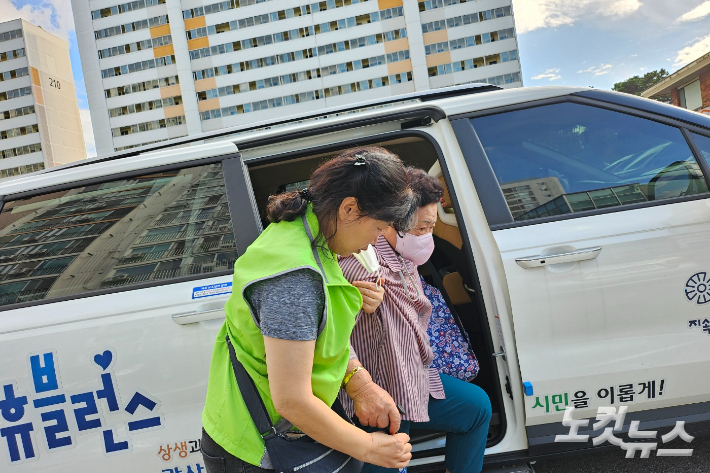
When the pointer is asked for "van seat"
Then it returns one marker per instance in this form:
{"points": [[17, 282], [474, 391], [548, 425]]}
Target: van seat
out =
{"points": [[453, 284], [448, 240]]}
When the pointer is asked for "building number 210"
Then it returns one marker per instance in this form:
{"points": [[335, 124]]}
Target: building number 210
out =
{"points": [[54, 83]]}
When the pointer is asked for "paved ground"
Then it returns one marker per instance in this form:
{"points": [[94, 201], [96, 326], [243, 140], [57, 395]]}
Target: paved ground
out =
{"points": [[613, 461]]}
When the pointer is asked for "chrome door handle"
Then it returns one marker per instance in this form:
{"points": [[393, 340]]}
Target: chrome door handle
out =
{"points": [[544, 260], [195, 316]]}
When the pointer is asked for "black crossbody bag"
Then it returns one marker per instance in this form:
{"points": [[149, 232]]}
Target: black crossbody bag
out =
{"points": [[290, 451]]}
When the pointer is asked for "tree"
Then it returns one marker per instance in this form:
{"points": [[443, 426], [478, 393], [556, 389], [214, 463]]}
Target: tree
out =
{"points": [[635, 85]]}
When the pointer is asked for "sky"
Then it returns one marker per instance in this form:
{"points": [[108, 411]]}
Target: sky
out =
{"points": [[593, 43]]}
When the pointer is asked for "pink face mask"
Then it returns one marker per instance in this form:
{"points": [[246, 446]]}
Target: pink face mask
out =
{"points": [[415, 248]]}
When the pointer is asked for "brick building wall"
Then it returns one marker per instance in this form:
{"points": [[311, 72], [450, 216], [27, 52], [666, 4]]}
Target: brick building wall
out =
{"points": [[704, 91], [705, 88]]}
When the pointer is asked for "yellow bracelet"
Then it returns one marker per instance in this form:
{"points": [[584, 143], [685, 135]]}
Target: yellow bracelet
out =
{"points": [[348, 376]]}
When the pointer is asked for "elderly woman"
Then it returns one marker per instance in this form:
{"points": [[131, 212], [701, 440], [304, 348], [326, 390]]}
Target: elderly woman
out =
{"points": [[390, 341]]}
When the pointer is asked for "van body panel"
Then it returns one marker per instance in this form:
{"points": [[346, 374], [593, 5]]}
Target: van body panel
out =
{"points": [[115, 381], [493, 285], [628, 305], [619, 321], [121, 331]]}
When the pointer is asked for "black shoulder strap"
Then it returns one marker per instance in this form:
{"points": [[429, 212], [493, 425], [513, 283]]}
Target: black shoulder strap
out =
{"points": [[252, 399]]}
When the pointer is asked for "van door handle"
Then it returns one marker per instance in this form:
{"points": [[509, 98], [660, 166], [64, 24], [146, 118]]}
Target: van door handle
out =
{"points": [[195, 316], [584, 254]]}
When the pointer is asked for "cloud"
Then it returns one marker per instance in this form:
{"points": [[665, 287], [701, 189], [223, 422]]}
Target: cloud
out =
{"points": [[691, 53], [531, 15], [55, 16], [697, 13], [597, 70], [550, 74], [88, 132]]}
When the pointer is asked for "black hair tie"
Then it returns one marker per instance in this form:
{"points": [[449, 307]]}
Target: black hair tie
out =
{"points": [[305, 194]]}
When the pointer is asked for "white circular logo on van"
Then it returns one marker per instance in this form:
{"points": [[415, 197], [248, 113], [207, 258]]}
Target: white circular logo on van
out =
{"points": [[698, 288]]}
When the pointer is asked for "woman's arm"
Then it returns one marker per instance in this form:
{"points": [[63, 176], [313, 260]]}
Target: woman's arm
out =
{"points": [[373, 405], [289, 366]]}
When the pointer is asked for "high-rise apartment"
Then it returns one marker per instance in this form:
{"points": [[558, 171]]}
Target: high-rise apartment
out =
{"points": [[40, 125], [161, 69]]}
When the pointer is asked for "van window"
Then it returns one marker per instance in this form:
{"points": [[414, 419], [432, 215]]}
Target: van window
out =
{"points": [[147, 228], [567, 158]]}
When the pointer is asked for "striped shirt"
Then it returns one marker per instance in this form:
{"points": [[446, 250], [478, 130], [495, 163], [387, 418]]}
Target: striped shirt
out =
{"points": [[392, 344]]}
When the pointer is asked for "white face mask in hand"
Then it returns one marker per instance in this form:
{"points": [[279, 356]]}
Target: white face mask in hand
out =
{"points": [[368, 259]]}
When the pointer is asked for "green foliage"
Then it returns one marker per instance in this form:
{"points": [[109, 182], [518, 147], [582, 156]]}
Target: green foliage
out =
{"points": [[636, 84]]}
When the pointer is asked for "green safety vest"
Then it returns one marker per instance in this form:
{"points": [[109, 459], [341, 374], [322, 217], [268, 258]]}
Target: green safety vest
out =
{"points": [[282, 247]]}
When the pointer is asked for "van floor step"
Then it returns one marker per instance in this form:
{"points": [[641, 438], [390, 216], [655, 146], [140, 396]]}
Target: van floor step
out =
{"points": [[511, 468]]}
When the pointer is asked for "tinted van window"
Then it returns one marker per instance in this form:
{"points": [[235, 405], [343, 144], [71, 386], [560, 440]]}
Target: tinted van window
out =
{"points": [[566, 158], [703, 143], [147, 228]]}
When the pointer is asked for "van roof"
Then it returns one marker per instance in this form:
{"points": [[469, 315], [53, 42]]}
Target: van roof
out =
{"points": [[323, 114], [446, 101]]}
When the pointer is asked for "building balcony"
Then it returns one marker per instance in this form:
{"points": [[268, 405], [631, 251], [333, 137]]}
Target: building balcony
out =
{"points": [[187, 270]]}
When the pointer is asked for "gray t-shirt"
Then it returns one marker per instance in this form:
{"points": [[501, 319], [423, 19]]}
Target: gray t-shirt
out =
{"points": [[290, 306]]}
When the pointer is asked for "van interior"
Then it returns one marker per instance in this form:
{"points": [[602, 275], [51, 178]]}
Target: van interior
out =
{"points": [[452, 269]]}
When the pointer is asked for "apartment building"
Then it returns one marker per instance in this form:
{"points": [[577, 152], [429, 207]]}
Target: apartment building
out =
{"points": [[40, 125], [161, 69]]}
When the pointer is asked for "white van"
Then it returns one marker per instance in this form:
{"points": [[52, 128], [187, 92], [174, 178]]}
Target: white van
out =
{"points": [[572, 244]]}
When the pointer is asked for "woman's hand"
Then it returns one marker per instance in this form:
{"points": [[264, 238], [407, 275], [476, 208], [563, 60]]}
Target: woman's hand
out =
{"points": [[372, 297], [289, 366], [389, 451], [373, 405]]}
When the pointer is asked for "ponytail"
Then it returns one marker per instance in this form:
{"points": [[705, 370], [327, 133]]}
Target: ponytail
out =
{"points": [[287, 206]]}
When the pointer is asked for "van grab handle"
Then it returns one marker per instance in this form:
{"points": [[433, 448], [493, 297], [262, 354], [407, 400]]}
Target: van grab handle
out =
{"points": [[538, 261]]}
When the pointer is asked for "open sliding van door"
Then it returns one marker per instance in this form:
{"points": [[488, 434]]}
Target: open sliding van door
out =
{"points": [[601, 217], [113, 279]]}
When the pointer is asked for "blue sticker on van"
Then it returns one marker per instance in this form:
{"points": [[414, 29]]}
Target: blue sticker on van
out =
{"points": [[212, 290]]}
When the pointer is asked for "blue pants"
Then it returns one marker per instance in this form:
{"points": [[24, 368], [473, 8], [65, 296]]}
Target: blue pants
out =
{"points": [[464, 416]]}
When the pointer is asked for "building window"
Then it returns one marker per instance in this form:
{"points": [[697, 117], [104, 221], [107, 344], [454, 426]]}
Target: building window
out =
{"points": [[124, 8], [8, 35], [18, 112], [20, 150], [21, 170], [147, 126], [145, 106], [142, 86], [307, 96], [690, 96], [19, 131]]}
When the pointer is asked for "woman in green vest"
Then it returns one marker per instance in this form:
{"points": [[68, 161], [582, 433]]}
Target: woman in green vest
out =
{"points": [[291, 305]]}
